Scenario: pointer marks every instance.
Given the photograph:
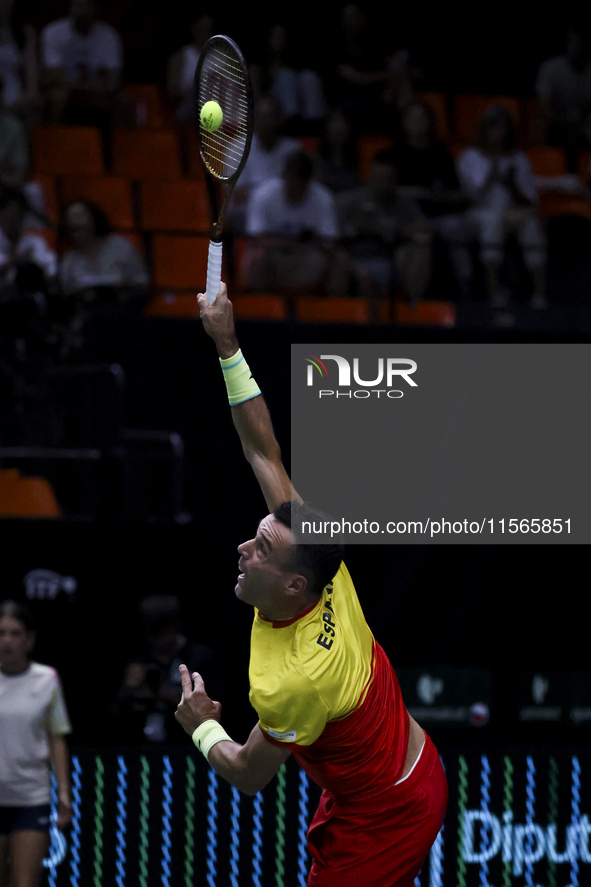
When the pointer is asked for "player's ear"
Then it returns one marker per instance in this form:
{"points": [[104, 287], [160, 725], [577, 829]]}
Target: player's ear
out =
{"points": [[297, 584]]}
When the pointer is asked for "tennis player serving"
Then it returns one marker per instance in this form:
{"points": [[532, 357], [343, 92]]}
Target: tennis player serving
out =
{"points": [[322, 687]]}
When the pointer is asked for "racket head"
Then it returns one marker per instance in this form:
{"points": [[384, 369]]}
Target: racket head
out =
{"points": [[222, 76]]}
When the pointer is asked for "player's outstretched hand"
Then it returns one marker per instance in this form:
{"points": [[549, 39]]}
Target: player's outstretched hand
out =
{"points": [[195, 705], [218, 320]]}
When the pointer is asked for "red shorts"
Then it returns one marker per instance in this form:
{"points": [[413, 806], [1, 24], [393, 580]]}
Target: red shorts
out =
{"points": [[383, 842]]}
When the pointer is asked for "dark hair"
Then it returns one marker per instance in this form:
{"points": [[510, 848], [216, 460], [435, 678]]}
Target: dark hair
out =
{"points": [[318, 563], [495, 114], [100, 221], [299, 164], [17, 611]]}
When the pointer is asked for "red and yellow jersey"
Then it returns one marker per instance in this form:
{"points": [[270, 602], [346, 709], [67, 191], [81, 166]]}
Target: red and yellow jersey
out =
{"points": [[322, 685]]}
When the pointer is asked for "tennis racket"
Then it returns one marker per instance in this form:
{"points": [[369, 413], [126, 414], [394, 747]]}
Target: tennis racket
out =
{"points": [[222, 76]]}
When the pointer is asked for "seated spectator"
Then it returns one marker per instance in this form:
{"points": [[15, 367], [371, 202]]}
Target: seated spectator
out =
{"points": [[82, 61], [338, 159], [294, 219], [99, 258], [563, 86], [18, 65], [182, 66], [297, 88], [499, 181], [268, 152], [386, 235], [427, 173], [28, 271], [150, 689], [402, 79], [14, 146], [26, 261]]}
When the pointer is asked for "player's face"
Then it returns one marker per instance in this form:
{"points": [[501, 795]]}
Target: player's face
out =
{"points": [[15, 644], [263, 562]]}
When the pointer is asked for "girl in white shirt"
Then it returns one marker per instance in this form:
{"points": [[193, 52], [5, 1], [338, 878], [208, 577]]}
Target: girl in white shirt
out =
{"points": [[33, 723], [499, 180]]}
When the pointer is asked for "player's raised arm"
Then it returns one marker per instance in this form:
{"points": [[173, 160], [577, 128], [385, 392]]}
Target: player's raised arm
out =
{"points": [[249, 410]]}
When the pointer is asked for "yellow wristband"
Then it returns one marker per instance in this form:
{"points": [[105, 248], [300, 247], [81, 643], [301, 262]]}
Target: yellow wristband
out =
{"points": [[207, 735], [239, 382]]}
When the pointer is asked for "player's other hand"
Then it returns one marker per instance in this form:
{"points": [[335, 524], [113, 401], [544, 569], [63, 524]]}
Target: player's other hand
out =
{"points": [[218, 321], [195, 705]]}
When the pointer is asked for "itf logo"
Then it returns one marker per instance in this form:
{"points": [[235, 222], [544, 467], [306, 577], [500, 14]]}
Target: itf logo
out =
{"points": [[389, 370], [45, 585]]}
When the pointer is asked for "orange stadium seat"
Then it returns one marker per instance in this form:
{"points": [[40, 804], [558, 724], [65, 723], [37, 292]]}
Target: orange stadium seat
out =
{"points": [[533, 123], [174, 206], [67, 150], [437, 101], [547, 161], [173, 305], [468, 109], [553, 205], [26, 496], [313, 309], [179, 261], [427, 313], [260, 307], [150, 108], [146, 154], [367, 148], [113, 195]]}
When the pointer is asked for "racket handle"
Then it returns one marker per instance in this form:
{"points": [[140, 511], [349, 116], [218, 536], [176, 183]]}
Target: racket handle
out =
{"points": [[214, 271]]}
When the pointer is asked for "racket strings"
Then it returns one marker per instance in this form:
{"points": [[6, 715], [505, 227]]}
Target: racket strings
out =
{"points": [[222, 80]]}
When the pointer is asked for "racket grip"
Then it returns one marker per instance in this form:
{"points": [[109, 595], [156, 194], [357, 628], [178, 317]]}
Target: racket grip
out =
{"points": [[214, 271]]}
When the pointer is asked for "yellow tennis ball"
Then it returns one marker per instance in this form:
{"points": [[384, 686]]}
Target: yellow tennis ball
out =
{"points": [[211, 116]]}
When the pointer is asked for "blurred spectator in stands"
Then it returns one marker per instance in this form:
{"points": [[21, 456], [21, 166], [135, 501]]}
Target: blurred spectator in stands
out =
{"points": [[82, 62], [371, 87], [294, 221], [297, 88], [150, 689], [28, 272], [182, 66], [386, 235], [360, 70], [26, 261], [500, 183], [402, 78], [338, 159], [427, 173], [99, 257], [14, 145], [268, 152], [18, 65], [563, 86]]}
